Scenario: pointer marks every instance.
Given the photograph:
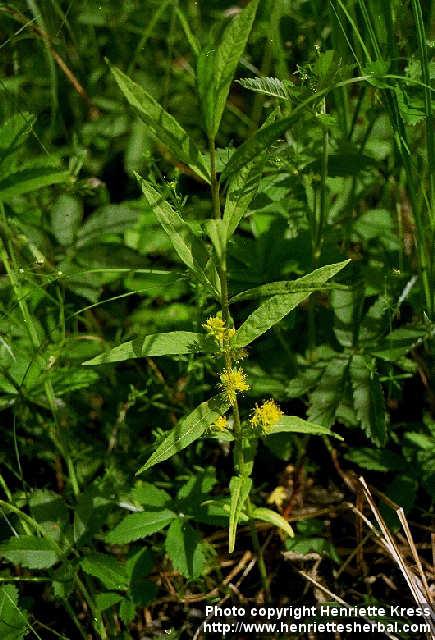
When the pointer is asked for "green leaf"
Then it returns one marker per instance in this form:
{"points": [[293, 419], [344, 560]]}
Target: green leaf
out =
{"points": [[66, 216], [108, 220], [376, 459], [267, 515], [139, 525], [240, 487], [368, 399], [107, 569], [345, 305], [106, 600], [185, 549], [326, 397], [254, 146], [303, 546], [13, 133], [164, 126], [27, 180], [149, 495], [29, 551], [266, 315], [217, 65], [50, 511], [48, 506], [293, 424], [157, 344], [127, 611], [189, 248], [263, 138], [241, 191], [13, 622], [63, 578], [278, 306], [311, 282], [268, 86], [188, 430]]}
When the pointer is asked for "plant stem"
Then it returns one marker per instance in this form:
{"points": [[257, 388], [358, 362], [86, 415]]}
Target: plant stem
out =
{"points": [[239, 458], [259, 552]]}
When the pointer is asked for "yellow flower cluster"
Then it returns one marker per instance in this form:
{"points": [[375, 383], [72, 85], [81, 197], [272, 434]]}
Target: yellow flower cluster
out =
{"points": [[232, 382], [266, 415], [221, 423], [216, 328]]}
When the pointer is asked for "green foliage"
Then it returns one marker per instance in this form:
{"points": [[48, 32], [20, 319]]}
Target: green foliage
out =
{"points": [[188, 430], [240, 487], [164, 126], [29, 551], [139, 525], [13, 621], [217, 64], [275, 260], [185, 549], [158, 344]]}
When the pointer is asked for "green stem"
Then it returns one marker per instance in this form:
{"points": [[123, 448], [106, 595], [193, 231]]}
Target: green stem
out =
{"points": [[259, 552], [239, 458]]}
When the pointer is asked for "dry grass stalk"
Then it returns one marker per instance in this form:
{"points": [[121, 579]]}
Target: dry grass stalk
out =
{"points": [[416, 581]]}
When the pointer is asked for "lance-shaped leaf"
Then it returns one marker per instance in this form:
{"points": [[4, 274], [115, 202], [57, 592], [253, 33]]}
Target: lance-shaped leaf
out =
{"points": [[266, 315], [164, 126], [311, 282], [30, 179], [157, 344], [188, 246], [242, 189], [217, 64], [278, 306], [240, 487], [272, 517], [139, 525], [264, 137], [294, 424], [188, 430], [368, 399]]}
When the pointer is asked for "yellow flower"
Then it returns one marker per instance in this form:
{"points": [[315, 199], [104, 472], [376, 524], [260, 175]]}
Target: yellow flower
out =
{"points": [[221, 423], [278, 496], [216, 328], [233, 381], [266, 415]]}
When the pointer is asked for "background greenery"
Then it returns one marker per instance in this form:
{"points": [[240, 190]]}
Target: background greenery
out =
{"points": [[87, 266]]}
